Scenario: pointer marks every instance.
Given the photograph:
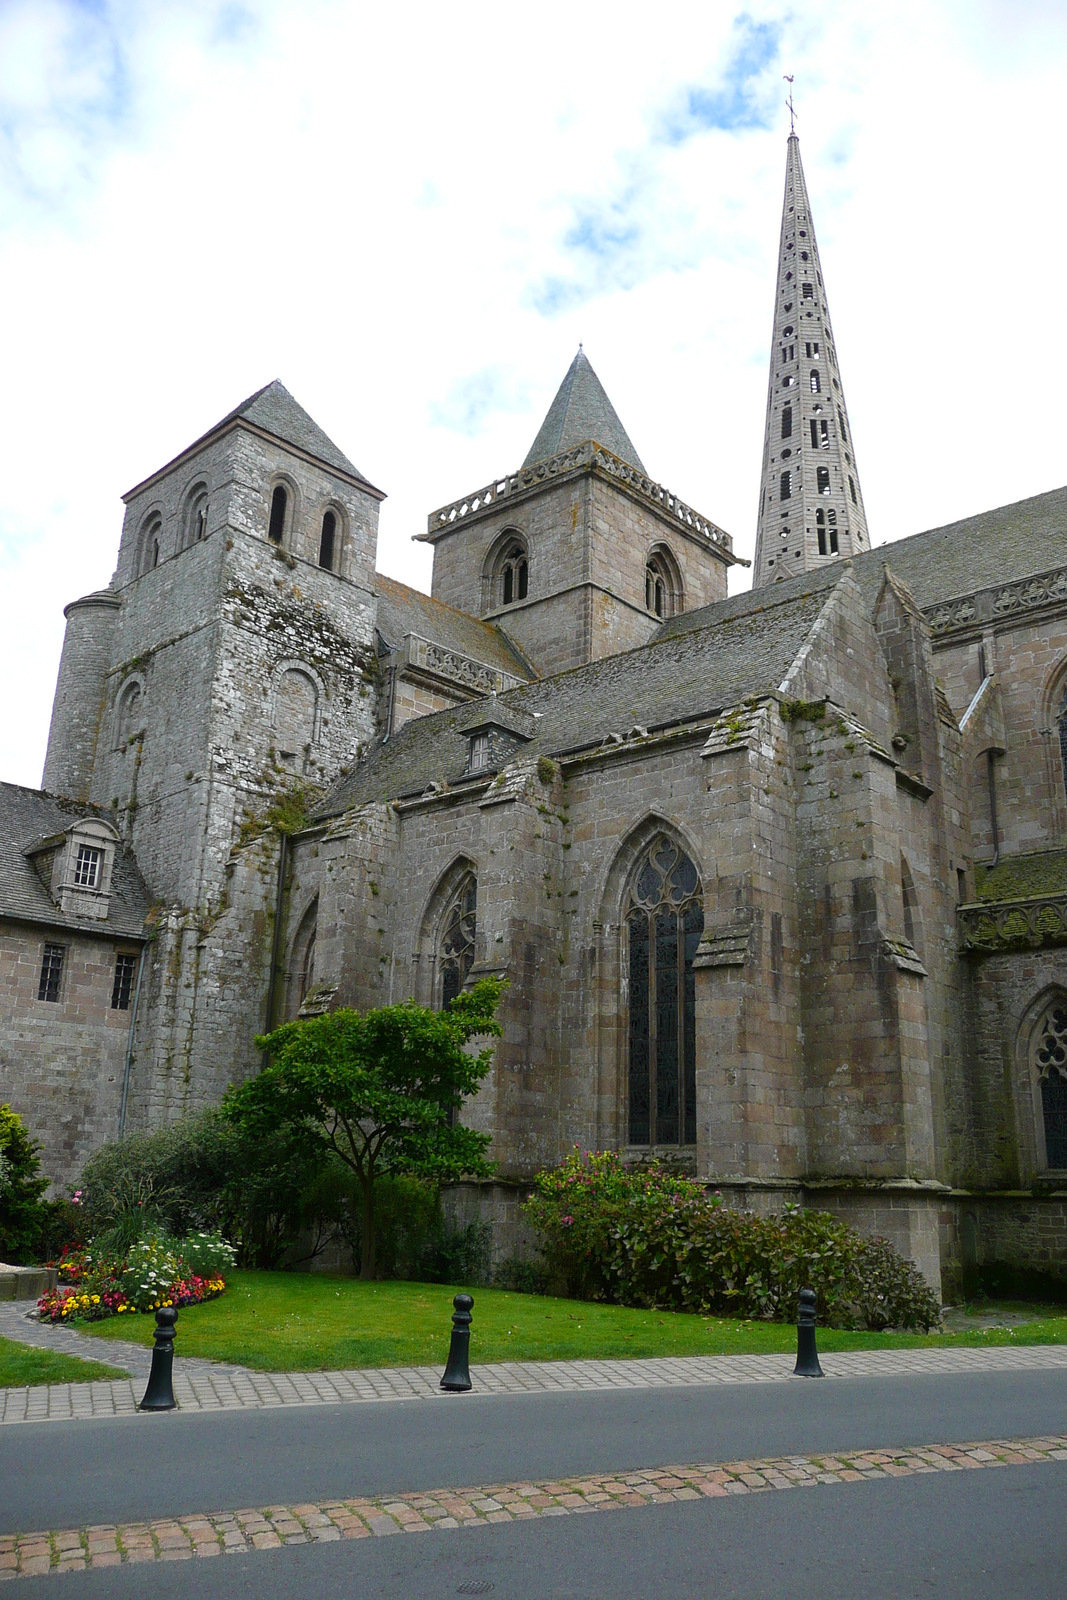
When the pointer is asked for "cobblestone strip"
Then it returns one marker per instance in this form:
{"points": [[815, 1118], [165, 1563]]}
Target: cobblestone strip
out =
{"points": [[233, 1533], [210, 1386]]}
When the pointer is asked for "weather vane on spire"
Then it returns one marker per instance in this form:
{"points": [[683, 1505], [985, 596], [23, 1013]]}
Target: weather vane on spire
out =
{"points": [[788, 76]]}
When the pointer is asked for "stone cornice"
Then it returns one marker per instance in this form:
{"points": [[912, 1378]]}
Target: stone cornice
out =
{"points": [[988, 927], [997, 605], [589, 457]]}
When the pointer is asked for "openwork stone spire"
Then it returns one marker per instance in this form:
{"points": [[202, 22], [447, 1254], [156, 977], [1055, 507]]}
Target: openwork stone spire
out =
{"points": [[811, 505]]}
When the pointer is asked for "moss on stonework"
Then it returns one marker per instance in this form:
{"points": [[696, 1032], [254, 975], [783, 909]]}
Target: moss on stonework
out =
{"points": [[803, 710], [288, 812], [1045, 872]]}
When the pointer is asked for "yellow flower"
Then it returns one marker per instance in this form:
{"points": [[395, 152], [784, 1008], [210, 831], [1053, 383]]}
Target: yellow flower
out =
{"points": [[96, 1299]]}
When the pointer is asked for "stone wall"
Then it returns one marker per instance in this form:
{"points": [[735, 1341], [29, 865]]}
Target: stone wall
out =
{"points": [[62, 1062]]}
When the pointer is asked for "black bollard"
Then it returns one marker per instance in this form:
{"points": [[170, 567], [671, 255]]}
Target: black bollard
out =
{"points": [[807, 1355], [458, 1371], [159, 1396]]}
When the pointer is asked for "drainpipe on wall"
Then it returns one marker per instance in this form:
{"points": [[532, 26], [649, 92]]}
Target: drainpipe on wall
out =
{"points": [[129, 1043], [276, 941]]}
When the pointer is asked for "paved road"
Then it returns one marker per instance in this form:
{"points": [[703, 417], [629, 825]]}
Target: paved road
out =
{"points": [[995, 1535], [60, 1474]]}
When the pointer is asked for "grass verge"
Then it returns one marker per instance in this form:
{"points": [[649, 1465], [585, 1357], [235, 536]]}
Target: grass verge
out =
{"points": [[290, 1322], [21, 1364]]}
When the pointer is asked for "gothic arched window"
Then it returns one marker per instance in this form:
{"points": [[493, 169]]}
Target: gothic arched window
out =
{"points": [[457, 939], [664, 921], [196, 506], [1050, 1063]]}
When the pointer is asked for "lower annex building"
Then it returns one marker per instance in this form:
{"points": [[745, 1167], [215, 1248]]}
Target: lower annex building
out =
{"points": [[778, 880]]}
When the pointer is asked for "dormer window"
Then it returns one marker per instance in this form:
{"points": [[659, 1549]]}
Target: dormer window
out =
{"points": [[87, 867], [479, 752]]}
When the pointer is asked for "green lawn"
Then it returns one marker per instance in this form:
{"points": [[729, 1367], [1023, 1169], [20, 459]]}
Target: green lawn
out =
{"points": [[282, 1321], [21, 1364]]}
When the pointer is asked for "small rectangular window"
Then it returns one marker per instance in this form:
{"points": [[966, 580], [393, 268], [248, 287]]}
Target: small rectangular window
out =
{"points": [[786, 486], [125, 972], [51, 972], [479, 752], [787, 422], [822, 480], [808, 292], [852, 491], [841, 424], [824, 435], [87, 867]]}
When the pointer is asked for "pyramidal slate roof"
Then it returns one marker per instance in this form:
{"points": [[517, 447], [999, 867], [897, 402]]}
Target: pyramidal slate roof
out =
{"points": [[273, 409], [581, 411]]}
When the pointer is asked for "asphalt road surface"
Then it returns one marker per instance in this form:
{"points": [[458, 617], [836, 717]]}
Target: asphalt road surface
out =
{"points": [[173, 1464]]}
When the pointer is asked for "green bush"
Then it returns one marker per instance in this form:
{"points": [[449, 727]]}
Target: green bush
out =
{"points": [[23, 1212], [648, 1237], [200, 1175]]}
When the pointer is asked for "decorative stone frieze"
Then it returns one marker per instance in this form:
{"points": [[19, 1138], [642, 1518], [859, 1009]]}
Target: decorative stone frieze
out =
{"points": [[1013, 924], [587, 457], [425, 656], [990, 605]]}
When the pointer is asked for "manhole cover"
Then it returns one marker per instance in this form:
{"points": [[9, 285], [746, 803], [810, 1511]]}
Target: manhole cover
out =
{"points": [[477, 1586]]}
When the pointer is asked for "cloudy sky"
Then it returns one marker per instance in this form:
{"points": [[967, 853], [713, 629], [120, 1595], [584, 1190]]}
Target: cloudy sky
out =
{"points": [[411, 216]]}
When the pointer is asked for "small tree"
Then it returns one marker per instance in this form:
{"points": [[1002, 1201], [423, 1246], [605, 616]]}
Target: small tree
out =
{"points": [[22, 1215], [380, 1091]]}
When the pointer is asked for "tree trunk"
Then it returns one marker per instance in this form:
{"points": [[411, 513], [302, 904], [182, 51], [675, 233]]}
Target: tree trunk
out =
{"points": [[367, 1261]]}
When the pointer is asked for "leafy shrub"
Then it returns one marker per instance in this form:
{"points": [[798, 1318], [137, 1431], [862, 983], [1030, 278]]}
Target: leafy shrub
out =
{"points": [[651, 1238], [201, 1174], [523, 1276], [23, 1213], [455, 1255]]}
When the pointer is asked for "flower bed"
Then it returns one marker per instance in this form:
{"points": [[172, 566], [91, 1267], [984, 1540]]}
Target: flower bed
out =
{"points": [[153, 1272]]}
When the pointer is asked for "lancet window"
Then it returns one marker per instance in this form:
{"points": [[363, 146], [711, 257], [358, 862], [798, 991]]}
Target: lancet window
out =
{"points": [[664, 921], [457, 939], [1050, 1061]]}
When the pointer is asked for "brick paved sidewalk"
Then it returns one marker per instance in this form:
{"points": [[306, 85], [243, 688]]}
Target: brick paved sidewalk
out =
{"points": [[212, 1386], [267, 1528]]}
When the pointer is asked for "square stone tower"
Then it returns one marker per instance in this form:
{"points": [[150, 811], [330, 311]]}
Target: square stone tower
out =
{"points": [[579, 554], [230, 666]]}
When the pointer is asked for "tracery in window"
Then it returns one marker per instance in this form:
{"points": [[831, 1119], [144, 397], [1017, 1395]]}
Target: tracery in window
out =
{"points": [[1050, 1062], [663, 584], [664, 921], [457, 939], [514, 575]]}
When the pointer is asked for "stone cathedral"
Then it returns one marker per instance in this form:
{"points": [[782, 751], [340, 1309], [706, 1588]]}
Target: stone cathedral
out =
{"points": [[778, 881]]}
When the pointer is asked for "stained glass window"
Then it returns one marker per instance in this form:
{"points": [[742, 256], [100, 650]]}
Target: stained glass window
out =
{"points": [[1051, 1061], [665, 919], [457, 940]]}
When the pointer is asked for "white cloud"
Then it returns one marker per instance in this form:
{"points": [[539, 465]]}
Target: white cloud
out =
{"points": [[369, 202]]}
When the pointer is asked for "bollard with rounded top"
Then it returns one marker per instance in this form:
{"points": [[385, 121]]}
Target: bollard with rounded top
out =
{"points": [[457, 1376], [807, 1355], [159, 1396]]}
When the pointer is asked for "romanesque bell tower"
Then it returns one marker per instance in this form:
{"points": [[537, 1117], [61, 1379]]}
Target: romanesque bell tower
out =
{"points": [[811, 504]]}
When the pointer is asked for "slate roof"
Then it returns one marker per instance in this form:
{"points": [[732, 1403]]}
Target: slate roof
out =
{"points": [[581, 411], [402, 610], [273, 409], [1000, 546], [678, 677], [28, 816]]}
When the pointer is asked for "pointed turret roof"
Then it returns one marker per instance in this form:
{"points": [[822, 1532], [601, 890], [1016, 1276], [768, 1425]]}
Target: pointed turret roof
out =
{"points": [[274, 410], [811, 505], [581, 411]]}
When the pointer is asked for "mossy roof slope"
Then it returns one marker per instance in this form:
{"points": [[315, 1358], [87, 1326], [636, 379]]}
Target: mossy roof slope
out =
{"points": [[402, 610], [674, 679]]}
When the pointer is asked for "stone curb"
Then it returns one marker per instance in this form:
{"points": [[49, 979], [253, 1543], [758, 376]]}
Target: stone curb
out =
{"points": [[205, 1534], [203, 1386]]}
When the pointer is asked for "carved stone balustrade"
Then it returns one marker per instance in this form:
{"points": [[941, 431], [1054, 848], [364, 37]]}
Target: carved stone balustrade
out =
{"points": [[1026, 924]]}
